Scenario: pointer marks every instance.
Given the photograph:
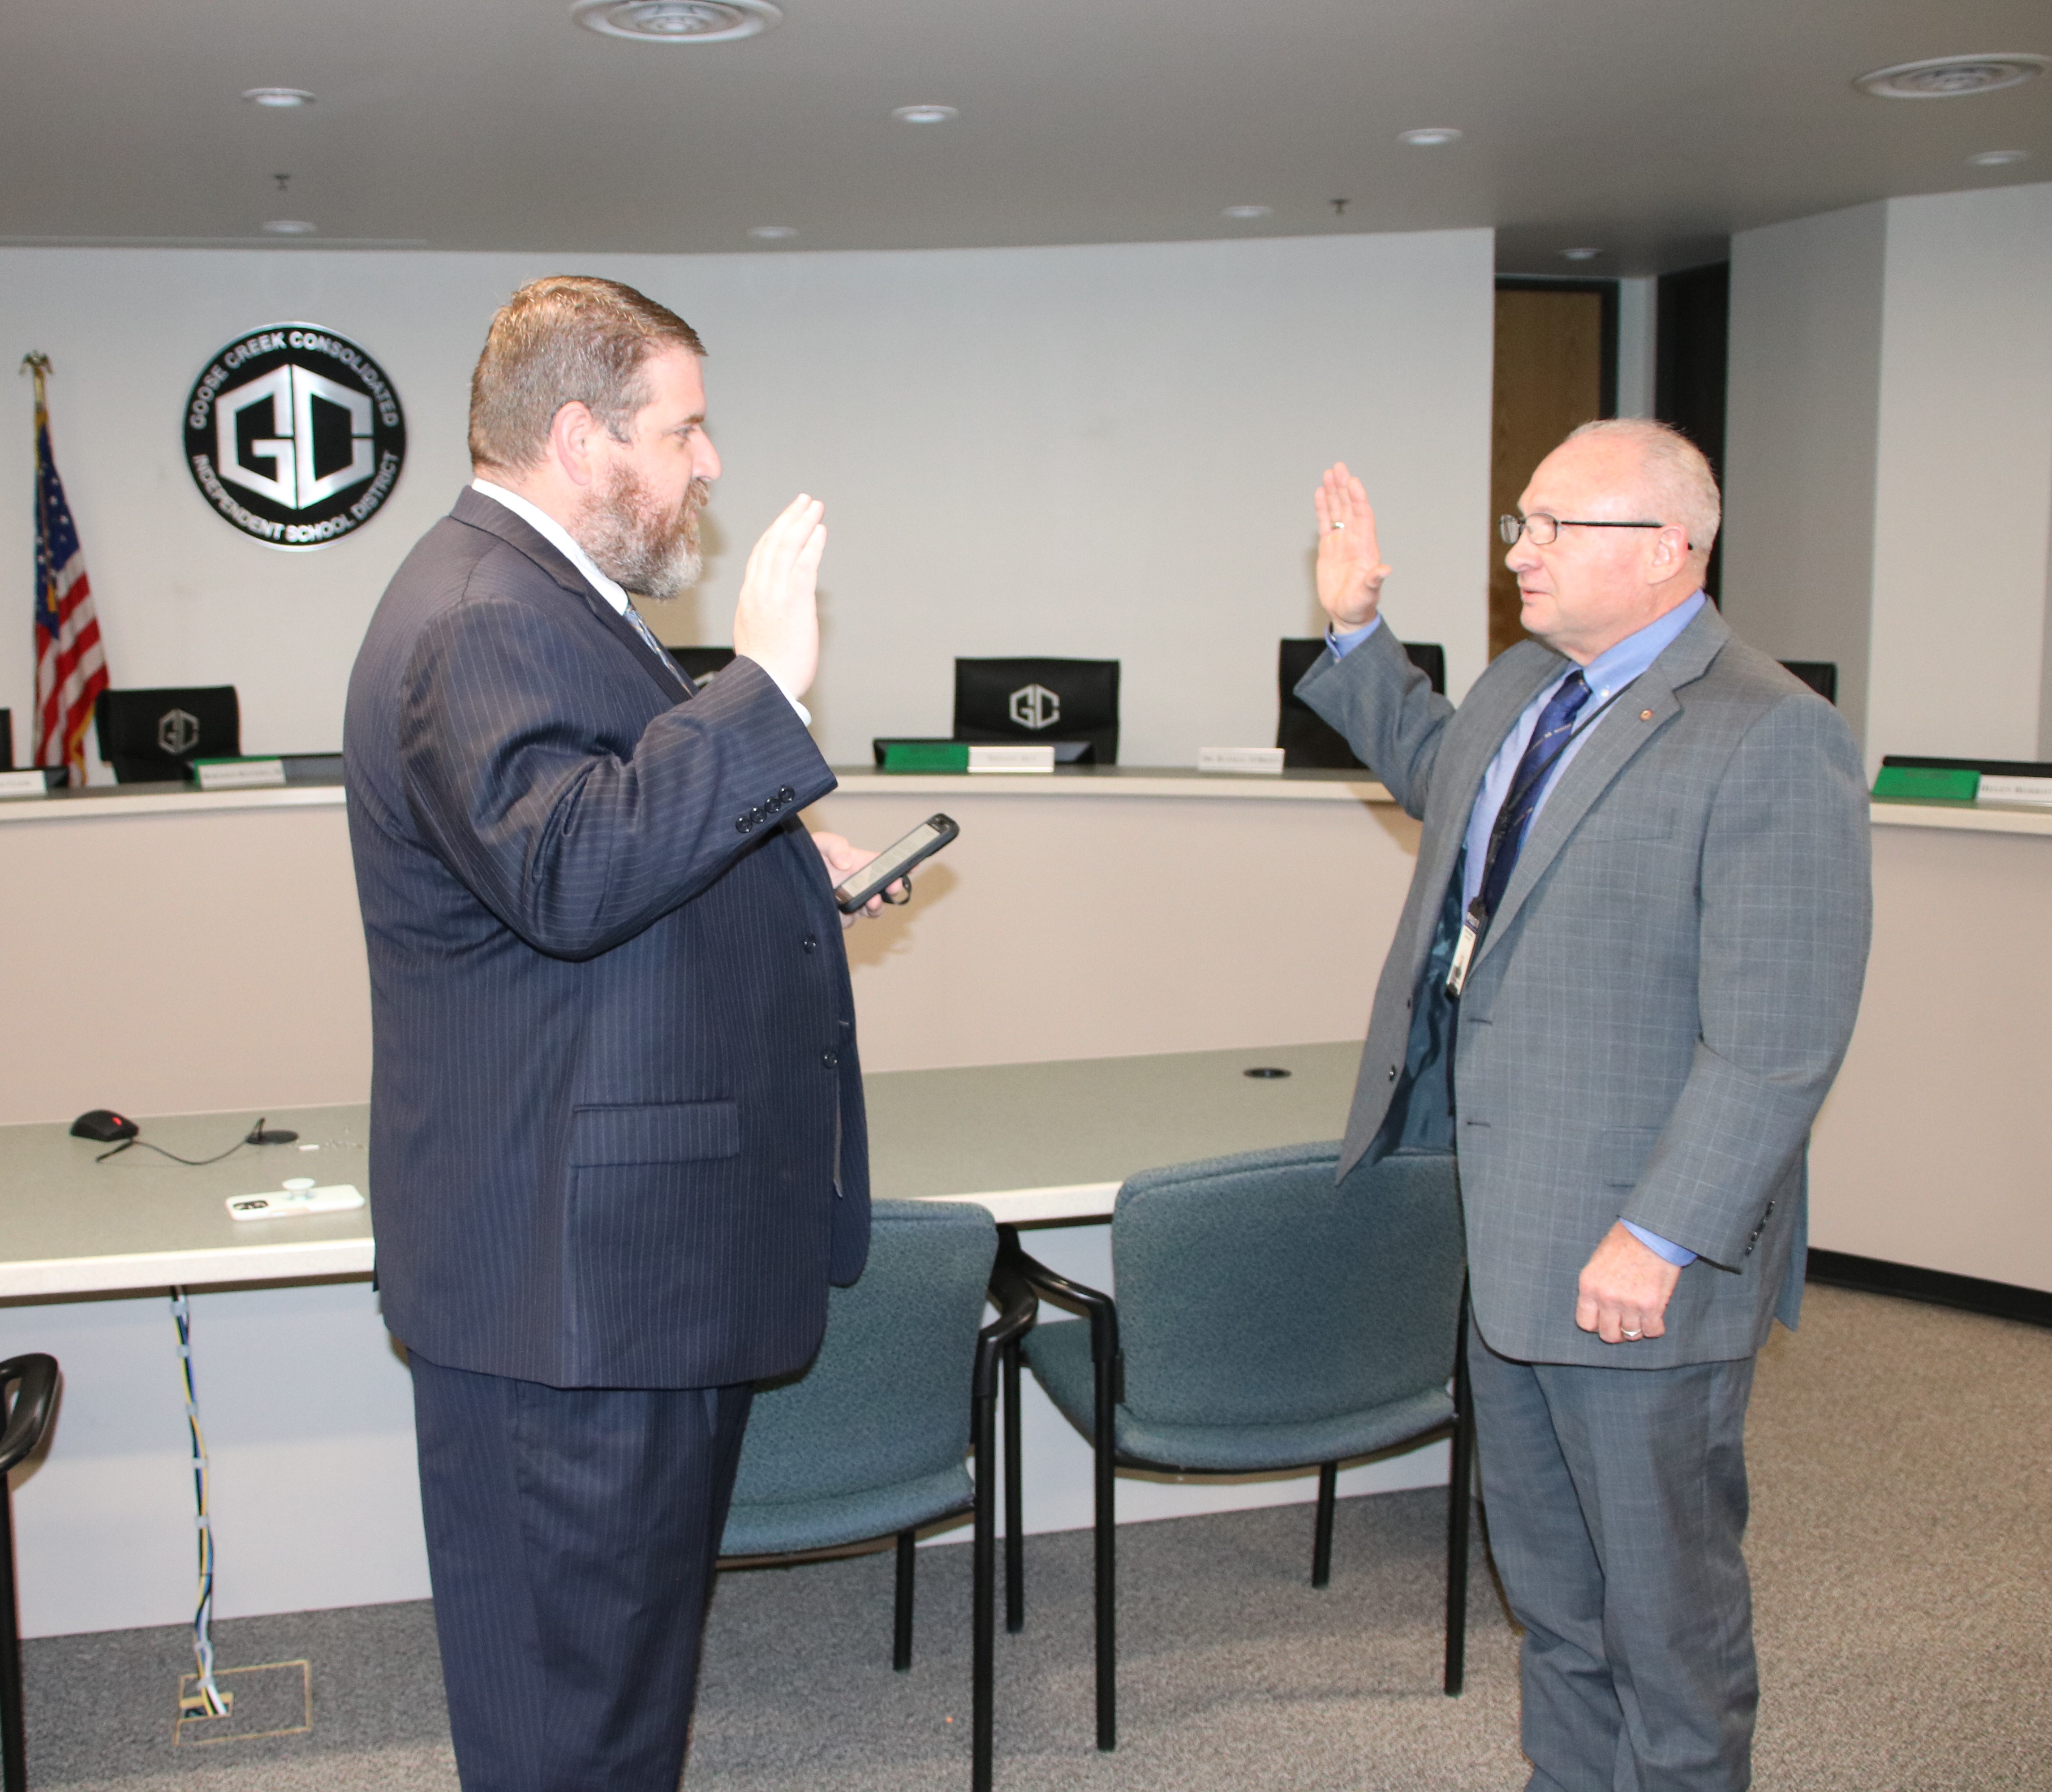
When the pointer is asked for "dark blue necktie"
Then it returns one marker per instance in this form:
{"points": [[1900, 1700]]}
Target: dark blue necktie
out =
{"points": [[1550, 740]]}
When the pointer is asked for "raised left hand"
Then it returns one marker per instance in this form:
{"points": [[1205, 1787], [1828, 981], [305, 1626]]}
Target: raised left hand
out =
{"points": [[1624, 1290], [841, 860]]}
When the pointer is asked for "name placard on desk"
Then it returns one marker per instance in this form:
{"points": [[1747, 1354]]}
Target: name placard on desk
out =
{"points": [[1994, 788], [33, 782], [239, 775], [1262, 761]]}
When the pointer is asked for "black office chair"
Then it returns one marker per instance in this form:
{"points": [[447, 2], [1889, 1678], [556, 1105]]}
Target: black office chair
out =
{"points": [[701, 664], [6, 740], [1821, 676], [152, 737], [27, 1420], [1306, 737], [1042, 702]]}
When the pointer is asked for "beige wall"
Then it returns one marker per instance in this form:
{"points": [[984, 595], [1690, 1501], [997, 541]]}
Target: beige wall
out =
{"points": [[1891, 463], [1803, 411]]}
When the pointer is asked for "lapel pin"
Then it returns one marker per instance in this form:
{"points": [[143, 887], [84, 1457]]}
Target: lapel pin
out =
{"points": [[1645, 715]]}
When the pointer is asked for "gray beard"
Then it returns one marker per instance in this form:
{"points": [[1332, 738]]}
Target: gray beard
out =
{"points": [[652, 552]]}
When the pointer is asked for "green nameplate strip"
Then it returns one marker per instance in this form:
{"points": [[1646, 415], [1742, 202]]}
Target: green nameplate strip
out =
{"points": [[1926, 784], [926, 755]]}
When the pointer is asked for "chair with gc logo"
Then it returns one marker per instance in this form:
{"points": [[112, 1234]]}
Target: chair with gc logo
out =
{"points": [[152, 737], [1062, 704]]}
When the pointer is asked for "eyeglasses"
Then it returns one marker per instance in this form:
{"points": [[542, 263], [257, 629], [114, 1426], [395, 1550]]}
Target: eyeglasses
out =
{"points": [[1541, 529]]}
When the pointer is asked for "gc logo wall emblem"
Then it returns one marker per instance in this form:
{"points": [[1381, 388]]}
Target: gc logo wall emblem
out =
{"points": [[294, 435], [1036, 706]]}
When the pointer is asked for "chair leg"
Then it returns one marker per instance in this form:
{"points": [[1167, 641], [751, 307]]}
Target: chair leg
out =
{"points": [[901, 1639], [1107, 1564], [1321, 1541], [13, 1729], [1460, 1475], [1015, 1541], [983, 1599]]}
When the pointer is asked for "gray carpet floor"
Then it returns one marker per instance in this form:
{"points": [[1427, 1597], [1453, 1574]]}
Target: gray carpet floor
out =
{"points": [[1901, 1460]]}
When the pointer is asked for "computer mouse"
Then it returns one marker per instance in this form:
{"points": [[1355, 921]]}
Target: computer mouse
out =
{"points": [[104, 1125]]}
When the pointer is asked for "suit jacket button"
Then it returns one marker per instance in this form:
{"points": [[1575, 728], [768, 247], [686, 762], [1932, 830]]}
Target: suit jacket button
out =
{"points": [[742, 823], [830, 1059], [810, 943], [1392, 1073], [787, 795]]}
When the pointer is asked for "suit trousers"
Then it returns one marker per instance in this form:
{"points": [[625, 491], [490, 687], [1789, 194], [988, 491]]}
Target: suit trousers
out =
{"points": [[1616, 1502], [572, 1534]]}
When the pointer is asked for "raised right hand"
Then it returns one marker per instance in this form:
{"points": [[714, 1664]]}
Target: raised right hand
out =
{"points": [[776, 622], [1350, 568]]}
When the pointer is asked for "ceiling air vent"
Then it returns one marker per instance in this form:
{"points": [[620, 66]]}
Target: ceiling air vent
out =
{"points": [[1951, 77], [677, 21]]}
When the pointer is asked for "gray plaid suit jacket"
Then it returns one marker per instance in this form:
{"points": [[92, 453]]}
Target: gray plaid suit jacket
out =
{"points": [[1665, 995]]}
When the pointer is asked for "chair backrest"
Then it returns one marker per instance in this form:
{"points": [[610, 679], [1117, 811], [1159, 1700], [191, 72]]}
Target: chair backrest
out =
{"points": [[1821, 676], [1253, 1288], [1306, 737], [153, 736], [27, 1415], [704, 663], [1040, 700], [888, 1398]]}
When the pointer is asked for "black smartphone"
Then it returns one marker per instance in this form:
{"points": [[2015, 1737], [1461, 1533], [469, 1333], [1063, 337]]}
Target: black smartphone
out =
{"points": [[893, 862]]}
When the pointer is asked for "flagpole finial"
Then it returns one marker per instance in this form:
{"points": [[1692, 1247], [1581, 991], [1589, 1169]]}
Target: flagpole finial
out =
{"points": [[35, 361]]}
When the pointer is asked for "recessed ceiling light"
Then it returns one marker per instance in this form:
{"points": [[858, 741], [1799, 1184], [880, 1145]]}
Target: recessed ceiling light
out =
{"points": [[924, 115], [771, 233], [1951, 78], [279, 99], [677, 21], [1248, 211], [1429, 136], [1580, 254], [1998, 157], [290, 227]]}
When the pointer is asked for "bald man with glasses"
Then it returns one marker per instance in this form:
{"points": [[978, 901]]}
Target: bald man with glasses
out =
{"points": [[1624, 981]]}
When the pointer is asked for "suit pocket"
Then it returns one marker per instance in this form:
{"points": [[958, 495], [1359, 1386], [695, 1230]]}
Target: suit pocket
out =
{"points": [[659, 1132], [1623, 1154]]}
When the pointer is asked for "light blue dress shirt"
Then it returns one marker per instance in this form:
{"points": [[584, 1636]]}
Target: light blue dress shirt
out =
{"points": [[1606, 675]]}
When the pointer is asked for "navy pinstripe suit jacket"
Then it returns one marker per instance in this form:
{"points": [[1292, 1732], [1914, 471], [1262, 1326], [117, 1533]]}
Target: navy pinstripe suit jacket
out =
{"points": [[616, 1134]]}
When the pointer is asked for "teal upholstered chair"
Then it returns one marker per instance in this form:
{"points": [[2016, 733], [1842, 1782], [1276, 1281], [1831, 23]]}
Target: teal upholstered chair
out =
{"points": [[1267, 1318], [871, 1441]]}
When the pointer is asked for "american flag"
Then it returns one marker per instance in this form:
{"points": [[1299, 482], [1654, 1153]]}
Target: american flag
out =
{"points": [[71, 670]]}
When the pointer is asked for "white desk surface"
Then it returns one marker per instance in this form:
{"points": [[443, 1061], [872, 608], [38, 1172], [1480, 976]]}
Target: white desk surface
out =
{"points": [[1034, 1143]]}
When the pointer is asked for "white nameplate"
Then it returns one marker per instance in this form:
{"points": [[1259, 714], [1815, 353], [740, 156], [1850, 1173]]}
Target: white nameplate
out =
{"points": [[1011, 759], [240, 775], [2014, 790], [22, 784], [280, 1204], [1265, 761]]}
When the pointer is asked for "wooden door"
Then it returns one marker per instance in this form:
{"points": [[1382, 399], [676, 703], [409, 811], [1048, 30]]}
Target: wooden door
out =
{"points": [[1551, 363]]}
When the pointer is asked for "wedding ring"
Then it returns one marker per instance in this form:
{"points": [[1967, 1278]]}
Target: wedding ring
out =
{"points": [[905, 884], [1634, 1334], [1339, 525]]}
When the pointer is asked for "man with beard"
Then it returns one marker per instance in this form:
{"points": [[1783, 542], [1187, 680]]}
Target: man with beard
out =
{"points": [[617, 1149]]}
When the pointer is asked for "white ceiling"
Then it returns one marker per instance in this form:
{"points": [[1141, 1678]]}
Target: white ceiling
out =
{"points": [[1650, 128]]}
